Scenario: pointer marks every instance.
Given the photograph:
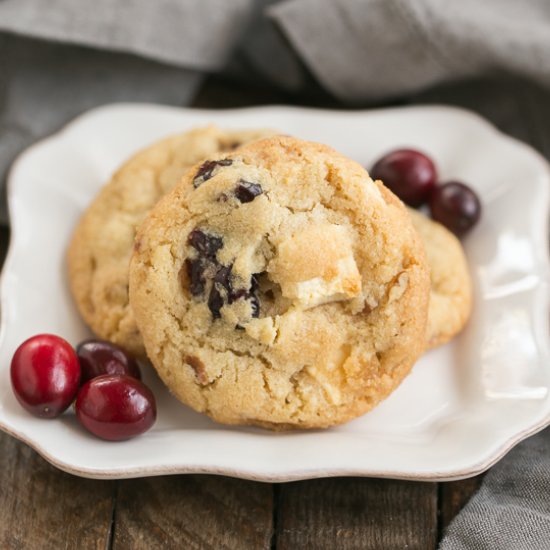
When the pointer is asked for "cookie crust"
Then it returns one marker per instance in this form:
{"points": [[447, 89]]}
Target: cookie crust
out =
{"points": [[325, 345]]}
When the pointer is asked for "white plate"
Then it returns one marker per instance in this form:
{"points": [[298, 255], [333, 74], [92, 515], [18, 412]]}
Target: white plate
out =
{"points": [[462, 408]]}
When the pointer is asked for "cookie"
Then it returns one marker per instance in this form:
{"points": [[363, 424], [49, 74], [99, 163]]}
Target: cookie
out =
{"points": [[100, 249], [451, 286], [280, 286]]}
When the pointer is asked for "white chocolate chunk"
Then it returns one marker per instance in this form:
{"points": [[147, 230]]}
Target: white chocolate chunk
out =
{"points": [[316, 266], [397, 290], [333, 393], [263, 330], [344, 285]]}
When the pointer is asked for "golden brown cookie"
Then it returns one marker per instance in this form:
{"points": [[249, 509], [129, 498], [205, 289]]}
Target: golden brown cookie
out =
{"points": [[101, 246], [278, 285], [451, 286]]}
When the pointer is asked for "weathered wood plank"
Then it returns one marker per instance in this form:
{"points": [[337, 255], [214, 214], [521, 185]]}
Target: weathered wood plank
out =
{"points": [[193, 512], [357, 513], [42, 507]]}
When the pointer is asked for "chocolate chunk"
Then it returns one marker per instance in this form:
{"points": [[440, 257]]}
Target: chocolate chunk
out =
{"points": [[247, 191], [206, 170], [205, 244], [195, 276]]}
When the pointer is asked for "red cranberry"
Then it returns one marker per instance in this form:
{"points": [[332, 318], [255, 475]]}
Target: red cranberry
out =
{"points": [[456, 206], [410, 174], [115, 407], [45, 375], [99, 357]]}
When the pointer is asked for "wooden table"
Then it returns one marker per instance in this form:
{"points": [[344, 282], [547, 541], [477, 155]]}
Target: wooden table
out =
{"points": [[42, 507]]}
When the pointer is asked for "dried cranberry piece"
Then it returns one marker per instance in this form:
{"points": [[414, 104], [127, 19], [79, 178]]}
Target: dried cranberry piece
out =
{"points": [[247, 191], [205, 244], [255, 304], [254, 282], [195, 275], [238, 294], [206, 169], [223, 276], [243, 293], [215, 302]]}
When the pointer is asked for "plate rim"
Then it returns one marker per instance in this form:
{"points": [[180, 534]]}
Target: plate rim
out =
{"points": [[246, 473]]}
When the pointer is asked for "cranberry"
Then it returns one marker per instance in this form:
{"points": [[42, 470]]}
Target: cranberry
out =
{"points": [[215, 302], [410, 174], [45, 375], [247, 191], [194, 270], [206, 170], [115, 407], [456, 206], [98, 357]]}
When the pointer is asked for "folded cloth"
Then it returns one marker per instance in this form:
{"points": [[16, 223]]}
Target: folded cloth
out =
{"points": [[511, 510], [197, 34], [43, 85], [372, 49], [358, 49], [62, 57]]}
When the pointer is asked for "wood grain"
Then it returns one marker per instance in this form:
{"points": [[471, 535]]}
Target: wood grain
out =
{"points": [[193, 512], [357, 513], [42, 507]]}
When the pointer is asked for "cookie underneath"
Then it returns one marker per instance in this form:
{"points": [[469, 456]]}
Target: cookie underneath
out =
{"points": [[101, 246], [280, 286], [451, 285]]}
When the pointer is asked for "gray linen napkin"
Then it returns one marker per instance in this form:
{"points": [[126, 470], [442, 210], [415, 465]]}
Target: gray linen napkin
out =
{"points": [[61, 57], [372, 49], [511, 510], [43, 85]]}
